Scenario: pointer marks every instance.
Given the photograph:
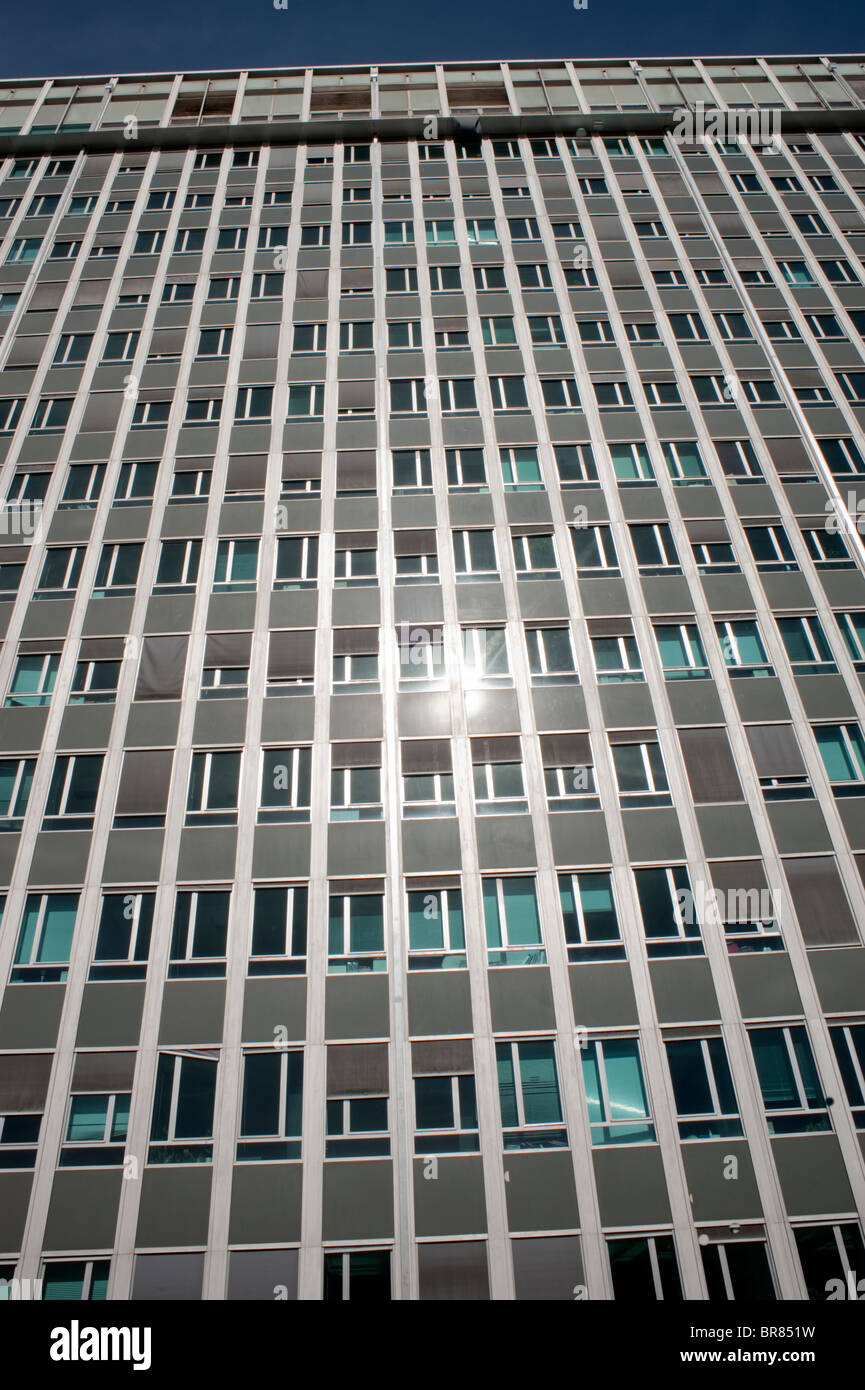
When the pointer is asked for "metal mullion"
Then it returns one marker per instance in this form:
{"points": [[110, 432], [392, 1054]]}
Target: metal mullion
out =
{"points": [[399, 1116], [175, 1096], [518, 1085], [162, 927], [854, 1059], [310, 1263], [710, 1076], [489, 1125], [569, 1075], [79, 955], [794, 1063], [658, 1083]]}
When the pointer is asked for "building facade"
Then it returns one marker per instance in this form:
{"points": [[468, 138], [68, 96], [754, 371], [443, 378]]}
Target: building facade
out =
{"points": [[433, 612]]}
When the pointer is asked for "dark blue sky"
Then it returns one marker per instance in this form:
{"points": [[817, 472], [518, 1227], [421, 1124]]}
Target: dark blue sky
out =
{"points": [[45, 37]]}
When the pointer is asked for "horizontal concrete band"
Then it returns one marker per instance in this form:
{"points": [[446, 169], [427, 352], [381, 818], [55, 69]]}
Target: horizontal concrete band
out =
{"points": [[394, 128]]}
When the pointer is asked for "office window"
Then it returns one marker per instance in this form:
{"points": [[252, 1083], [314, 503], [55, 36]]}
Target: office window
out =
{"points": [[852, 627], [279, 929], [631, 463], [662, 395], [534, 553], [355, 931], [546, 330], [531, 1110], [296, 562], [534, 276], [842, 748], [498, 332], [615, 1092], [457, 395], [445, 1104], [271, 1105], [435, 923], [595, 331], [617, 658], [79, 1280], [51, 415], [73, 348], [97, 1124], [843, 456], [213, 786], [73, 791], [199, 934], [45, 938], [33, 679], [737, 1269], [485, 657], [19, 1137], [668, 910], [613, 395], [589, 916], [408, 397], [594, 550], [792, 1095], [831, 1257], [97, 672], [177, 571], [475, 554], [806, 646], [412, 470], [551, 655], [489, 277], [466, 470], [644, 1269], [355, 660], [10, 414], [444, 279], [513, 927], [153, 414], [706, 1103], [640, 774], [285, 785], [16, 779], [742, 647], [236, 566], [305, 401], [355, 784], [359, 1274], [654, 548], [253, 403], [355, 561], [681, 651], [117, 571], [136, 483], [402, 279], [688, 327], [684, 462], [181, 1129], [403, 335], [576, 464], [123, 938], [771, 548], [427, 778], [310, 337], [848, 1040]]}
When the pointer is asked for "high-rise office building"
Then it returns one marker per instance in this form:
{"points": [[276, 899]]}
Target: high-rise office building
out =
{"points": [[431, 744]]}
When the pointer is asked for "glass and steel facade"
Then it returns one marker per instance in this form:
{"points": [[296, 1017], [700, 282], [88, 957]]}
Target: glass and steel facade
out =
{"points": [[431, 711]]}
